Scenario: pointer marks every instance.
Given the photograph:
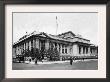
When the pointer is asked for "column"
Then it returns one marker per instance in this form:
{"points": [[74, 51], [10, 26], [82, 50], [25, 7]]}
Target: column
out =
{"points": [[47, 44], [64, 49], [22, 49], [85, 51], [14, 52], [70, 49], [37, 43], [30, 45], [18, 50], [60, 48], [93, 52], [81, 50], [89, 51], [26, 45], [53, 45], [75, 49], [33, 43]]}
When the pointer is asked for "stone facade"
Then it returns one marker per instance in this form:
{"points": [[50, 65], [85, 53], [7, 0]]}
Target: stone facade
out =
{"points": [[67, 44]]}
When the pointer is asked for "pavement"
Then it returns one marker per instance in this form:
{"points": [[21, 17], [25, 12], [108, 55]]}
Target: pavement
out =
{"points": [[91, 64], [56, 62]]}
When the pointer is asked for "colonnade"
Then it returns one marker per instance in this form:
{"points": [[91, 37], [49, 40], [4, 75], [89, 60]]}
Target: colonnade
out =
{"points": [[84, 50], [64, 49]]}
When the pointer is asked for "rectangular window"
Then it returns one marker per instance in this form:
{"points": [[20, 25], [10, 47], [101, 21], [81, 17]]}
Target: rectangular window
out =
{"points": [[32, 43], [59, 47], [83, 50], [79, 50], [63, 51], [62, 48], [28, 45], [86, 50], [66, 49]]}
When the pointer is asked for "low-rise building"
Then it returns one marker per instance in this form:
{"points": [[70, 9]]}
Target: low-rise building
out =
{"points": [[67, 44]]}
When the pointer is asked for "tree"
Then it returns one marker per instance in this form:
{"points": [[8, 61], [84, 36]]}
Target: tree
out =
{"points": [[37, 53], [53, 54]]}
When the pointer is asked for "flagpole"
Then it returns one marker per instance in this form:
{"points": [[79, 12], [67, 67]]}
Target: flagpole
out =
{"points": [[56, 25]]}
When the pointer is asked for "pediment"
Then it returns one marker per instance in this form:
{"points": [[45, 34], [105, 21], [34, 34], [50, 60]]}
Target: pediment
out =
{"points": [[67, 35], [43, 35]]}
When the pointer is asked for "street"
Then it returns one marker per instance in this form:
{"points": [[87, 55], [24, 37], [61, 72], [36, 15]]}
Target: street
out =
{"points": [[77, 65]]}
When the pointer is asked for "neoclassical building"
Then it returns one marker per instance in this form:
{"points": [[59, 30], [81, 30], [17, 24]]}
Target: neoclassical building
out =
{"points": [[67, 44]]}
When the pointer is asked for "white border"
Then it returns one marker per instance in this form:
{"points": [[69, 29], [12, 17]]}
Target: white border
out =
{"points": [[100, 73]]}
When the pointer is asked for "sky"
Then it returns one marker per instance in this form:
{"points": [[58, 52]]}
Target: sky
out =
{"points": [[85, 24]]}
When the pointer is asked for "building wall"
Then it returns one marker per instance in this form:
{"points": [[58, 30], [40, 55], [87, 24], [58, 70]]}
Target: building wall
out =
{"points": [[75, 50], [47, 44], [37, 43], [67, 49]]}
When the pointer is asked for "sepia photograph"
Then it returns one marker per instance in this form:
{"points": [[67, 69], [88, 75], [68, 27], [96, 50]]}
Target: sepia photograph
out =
{"points": [[54, 41]]}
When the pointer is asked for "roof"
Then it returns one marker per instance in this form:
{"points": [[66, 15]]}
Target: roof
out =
{"points": [[67, 33], [56, 37]]}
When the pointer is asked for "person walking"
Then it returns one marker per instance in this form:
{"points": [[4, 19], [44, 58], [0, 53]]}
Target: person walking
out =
{"points": [[71, 61], [35, 60]]}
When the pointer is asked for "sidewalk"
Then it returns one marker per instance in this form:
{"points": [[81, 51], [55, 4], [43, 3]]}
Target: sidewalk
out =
{"points": [[55, 62], [52, 62]]}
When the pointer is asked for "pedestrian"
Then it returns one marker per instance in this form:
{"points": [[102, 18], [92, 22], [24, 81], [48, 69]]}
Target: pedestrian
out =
{"points": [[74, 58], [35, 60], [29, 59], [71, 61]]}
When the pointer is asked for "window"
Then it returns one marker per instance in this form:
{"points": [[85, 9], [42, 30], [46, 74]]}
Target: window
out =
{"points": [[59, 47], [79, 49], [83, 50], [32, 43], [86, 50], [91, 50], [66, 49], [62, 48], [55, 45], [28, 45]]}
